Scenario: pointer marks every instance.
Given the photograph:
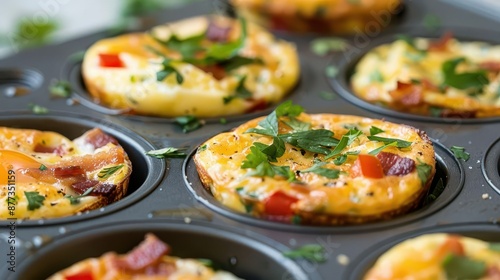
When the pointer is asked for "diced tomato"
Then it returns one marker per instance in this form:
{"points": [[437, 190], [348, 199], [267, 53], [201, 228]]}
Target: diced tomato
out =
{"points": [[110, 60], [452, 245], [369, 166], [279, 204], [84, 275]]}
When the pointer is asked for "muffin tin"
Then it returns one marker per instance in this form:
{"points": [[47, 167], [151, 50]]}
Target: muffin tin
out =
{"points": [[167, 198]]}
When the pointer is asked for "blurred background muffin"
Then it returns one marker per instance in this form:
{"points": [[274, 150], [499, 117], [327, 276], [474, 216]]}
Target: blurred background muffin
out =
{"points": [[320, 16]]}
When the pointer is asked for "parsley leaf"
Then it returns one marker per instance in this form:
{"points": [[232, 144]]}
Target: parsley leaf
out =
{"points": [[269, 126], [460, 153], [297, 125], [379, 149], [60, 88], [76, 199], [35, 200], [37, 109], [189, 123], [331, 71], [435, 192], [376, 76], [310, 252], [42, 167], [108, 171], [322, 46], [494, 247], [463, 268], [167, 70], [254, 158], [224, 51], [168, 152], [187, 47], [273, 151], [288, 109], [423, 171], [345, 141], [320, 170], [467, 80], [240, 92], [238, 61], [399, 143], [340, 159], [375, 130], [314, 141]]}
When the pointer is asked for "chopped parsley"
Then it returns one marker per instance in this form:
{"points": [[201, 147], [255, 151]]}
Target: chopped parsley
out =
{"points": [[35, 200], [463, 268], [189, 123], [331, 71], [494, 247], [460, 153], [108, 171], [168, 152], [322, 171], [310, 252], [60, 88], [399, 143], [323, 46], [167, 70], [316, 141], [37, 109], [12, 199], [379, 149], [376, 76], [76, 199], [423, 171], [42, 167], [345, 141], [240, 92], [375, 130], [466, 80]]}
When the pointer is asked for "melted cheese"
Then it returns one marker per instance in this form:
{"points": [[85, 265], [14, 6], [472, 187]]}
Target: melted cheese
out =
{"points": [[135, 86]]}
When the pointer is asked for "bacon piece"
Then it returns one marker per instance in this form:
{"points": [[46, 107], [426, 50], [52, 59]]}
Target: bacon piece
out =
{"points": [[163, 269], [217, 33], [407, 94], [429, 85], [450, 113], [97, 138], [396, 165], [258, 105], [493, 66], [441, 45], [68, 171], [493, 273], [82, 186], [217, 71], [59, 150], [104, 189], [148, 253]]}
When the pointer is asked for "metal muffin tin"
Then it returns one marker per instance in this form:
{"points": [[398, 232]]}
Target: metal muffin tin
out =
{"points": [[168, 196]]}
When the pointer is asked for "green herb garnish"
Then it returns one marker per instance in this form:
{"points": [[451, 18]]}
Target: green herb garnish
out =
{"points": [[331, 71], [12, 199], [345, 141], [320, 170], [189, 123], [423, 171], [468, 80], [375, 130], [167, 70], [76, 199], [240, 92], [168, 152], [399, 143], [375, 152], [327, 95], [42, 167], [460, 153], [37, 109], [432, 22], [316, 141], [436, 192], [60, 88], [494, 247], [376, 76], [35, 200], [310, 252], [323, 46], [108, 171], [463, 268]]}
